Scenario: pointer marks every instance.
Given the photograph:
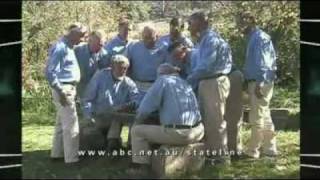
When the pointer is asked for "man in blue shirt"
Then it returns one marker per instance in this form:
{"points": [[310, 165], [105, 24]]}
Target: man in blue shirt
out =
{"points": [[176, 29], [184, 59], [119, 43], [180, 119], [145, 57], [109, 91], [213, 64], [63, 74], [260, 73], [91, 57]]}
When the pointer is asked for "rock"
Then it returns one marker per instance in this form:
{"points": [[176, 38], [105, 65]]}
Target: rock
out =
{"points": [[280, 118], [173, 161], [90, 138]]}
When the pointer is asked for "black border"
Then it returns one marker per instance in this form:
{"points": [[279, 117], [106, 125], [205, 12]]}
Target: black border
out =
{"points": [[10, 104]]}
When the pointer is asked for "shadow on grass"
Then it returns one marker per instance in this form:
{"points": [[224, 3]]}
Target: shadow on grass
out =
{"points": [[37, 165]]}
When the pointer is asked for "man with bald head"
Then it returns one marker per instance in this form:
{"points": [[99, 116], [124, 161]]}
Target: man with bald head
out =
{"points": [[63, 74], [145, 57]]}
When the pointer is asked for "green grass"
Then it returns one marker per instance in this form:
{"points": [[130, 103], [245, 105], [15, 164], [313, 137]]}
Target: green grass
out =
{"points": [[37, 144]]}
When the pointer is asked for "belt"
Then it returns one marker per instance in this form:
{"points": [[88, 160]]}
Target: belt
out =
{"points": [[146, 81], [177, 126], [215, 76], [251, 80], [70, 83]]}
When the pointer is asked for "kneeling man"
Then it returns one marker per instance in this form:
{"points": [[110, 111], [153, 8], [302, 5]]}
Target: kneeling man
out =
{"points": [[180, 119], [109, 91]]}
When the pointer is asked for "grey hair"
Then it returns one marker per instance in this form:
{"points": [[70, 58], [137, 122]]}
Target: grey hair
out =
{"points": [[120, 59], [166, 68]]}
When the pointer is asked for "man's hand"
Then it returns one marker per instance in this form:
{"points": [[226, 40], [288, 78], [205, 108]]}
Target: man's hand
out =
{"points": [[128, 107], [258, 91], [177, 69], [63, 98], [92, 121]]}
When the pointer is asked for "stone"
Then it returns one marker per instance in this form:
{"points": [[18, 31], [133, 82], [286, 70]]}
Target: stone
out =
{"points": [[90, 138], [280, 117], [172, 161]]}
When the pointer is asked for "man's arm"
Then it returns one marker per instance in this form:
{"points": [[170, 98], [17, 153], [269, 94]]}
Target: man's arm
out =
{"points": [[133, 101], [152, 100], [53, 68], [104, 59], [265, 57], [203, 62], [90, 95]]}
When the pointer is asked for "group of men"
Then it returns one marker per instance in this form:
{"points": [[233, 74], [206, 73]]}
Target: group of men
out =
{"points": [[191, 87]]}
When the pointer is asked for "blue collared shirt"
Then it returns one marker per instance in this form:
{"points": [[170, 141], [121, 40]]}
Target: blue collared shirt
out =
{"points": [[166, 41], [104, 92], [260, 63], [213, 57], [116, 46], [174, 99], [62, 65], [144, 62], [89, 63]]}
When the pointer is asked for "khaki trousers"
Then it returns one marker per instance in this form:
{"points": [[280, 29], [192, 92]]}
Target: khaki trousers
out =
{"points": [[262, 128], [143, 135], [66, 135], [213, 94], [234, 111]]}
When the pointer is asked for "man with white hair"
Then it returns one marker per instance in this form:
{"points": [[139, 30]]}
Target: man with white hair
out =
{"points": [[63, 74], [110, 90], [91, 57], [180, 119], [145, 58]]}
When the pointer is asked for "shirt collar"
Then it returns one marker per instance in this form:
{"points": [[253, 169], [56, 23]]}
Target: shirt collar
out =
{"points": [[115, 80], [122, 40], [88, 49], [66, 40], [253, 31], [203, 33]]}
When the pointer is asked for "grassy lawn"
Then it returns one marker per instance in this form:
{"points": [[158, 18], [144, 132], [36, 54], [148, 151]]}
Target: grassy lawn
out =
{"points": [[37, 143]]}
